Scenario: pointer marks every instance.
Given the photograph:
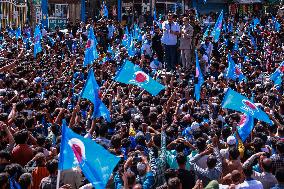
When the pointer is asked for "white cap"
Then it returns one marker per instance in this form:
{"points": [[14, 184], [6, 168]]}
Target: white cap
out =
{"points": [[231, 140], [195, 126]]}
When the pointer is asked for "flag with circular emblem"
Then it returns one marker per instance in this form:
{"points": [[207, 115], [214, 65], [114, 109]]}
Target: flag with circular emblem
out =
{"points": [[132, 74]]}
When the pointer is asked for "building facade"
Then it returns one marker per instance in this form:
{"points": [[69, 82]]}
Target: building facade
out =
{"points": [[13, 12]]}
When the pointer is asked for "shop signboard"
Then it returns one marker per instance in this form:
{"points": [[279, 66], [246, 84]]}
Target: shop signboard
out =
{"points": [[53, 22]]}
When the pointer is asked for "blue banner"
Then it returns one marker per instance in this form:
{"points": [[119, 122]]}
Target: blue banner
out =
{"points": [[83, 10], [119, 10], [44, 10]]}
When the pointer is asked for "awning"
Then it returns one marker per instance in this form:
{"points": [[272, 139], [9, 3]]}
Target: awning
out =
{"points": [[248, 1]]}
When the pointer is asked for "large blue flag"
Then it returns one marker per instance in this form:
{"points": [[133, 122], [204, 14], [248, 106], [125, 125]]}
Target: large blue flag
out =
{"points": [[246, 125], [233, 71], [37, 38], [96, 163], [238, 102], [91, 52], [198, 75], [218, 27], [276, 77], [132, 74], [91, 92]]}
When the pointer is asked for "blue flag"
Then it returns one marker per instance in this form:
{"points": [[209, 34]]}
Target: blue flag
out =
{"points": [[91, 92], [276, 24], [246, 125], [276, 77], [105, 10], [238, 102], [256, 21], [217, 28], [96, 163], [132, 74], [253, 41], [198, 75], [206, 32], [18, 33], [155, 14], [233, 71], [37, 38], [91, 52]]}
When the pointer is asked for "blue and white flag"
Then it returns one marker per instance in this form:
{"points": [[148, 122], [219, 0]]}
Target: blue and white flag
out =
{"points": [[235, 101], [91, 52], [200, 79], [132, 74], [37, 39], [91, 92], [234, 71], [276, 77], [217, 28], [96, 163]]}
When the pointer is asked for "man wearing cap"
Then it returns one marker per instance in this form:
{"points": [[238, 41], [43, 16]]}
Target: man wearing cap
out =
{"points": [[171, 30], [231, 142]]}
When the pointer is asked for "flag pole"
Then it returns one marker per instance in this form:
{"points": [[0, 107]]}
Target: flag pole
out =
{"points": [[110, 86], [58, 179]]}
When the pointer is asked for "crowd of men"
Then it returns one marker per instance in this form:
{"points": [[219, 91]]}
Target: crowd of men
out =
{"points": [[168, 141]]}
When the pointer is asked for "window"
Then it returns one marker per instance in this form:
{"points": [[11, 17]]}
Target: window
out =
{"points": [[58, 10]]}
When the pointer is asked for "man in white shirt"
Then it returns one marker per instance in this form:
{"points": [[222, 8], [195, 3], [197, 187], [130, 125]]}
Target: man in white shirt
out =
{"points": [[171, 30]]}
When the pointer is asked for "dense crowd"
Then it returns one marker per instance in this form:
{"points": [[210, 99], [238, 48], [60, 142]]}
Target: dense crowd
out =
{"points": [[169, 141]]}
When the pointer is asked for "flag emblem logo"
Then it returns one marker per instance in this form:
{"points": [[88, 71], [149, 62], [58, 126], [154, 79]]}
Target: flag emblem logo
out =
{"points": [[78, 149], [282, 69], [141, 77], [89, 44], [249, 106], [238, 71]]}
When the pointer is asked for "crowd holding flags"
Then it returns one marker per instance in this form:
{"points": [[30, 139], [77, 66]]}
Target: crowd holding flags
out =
{"points": [[75, 150]]}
